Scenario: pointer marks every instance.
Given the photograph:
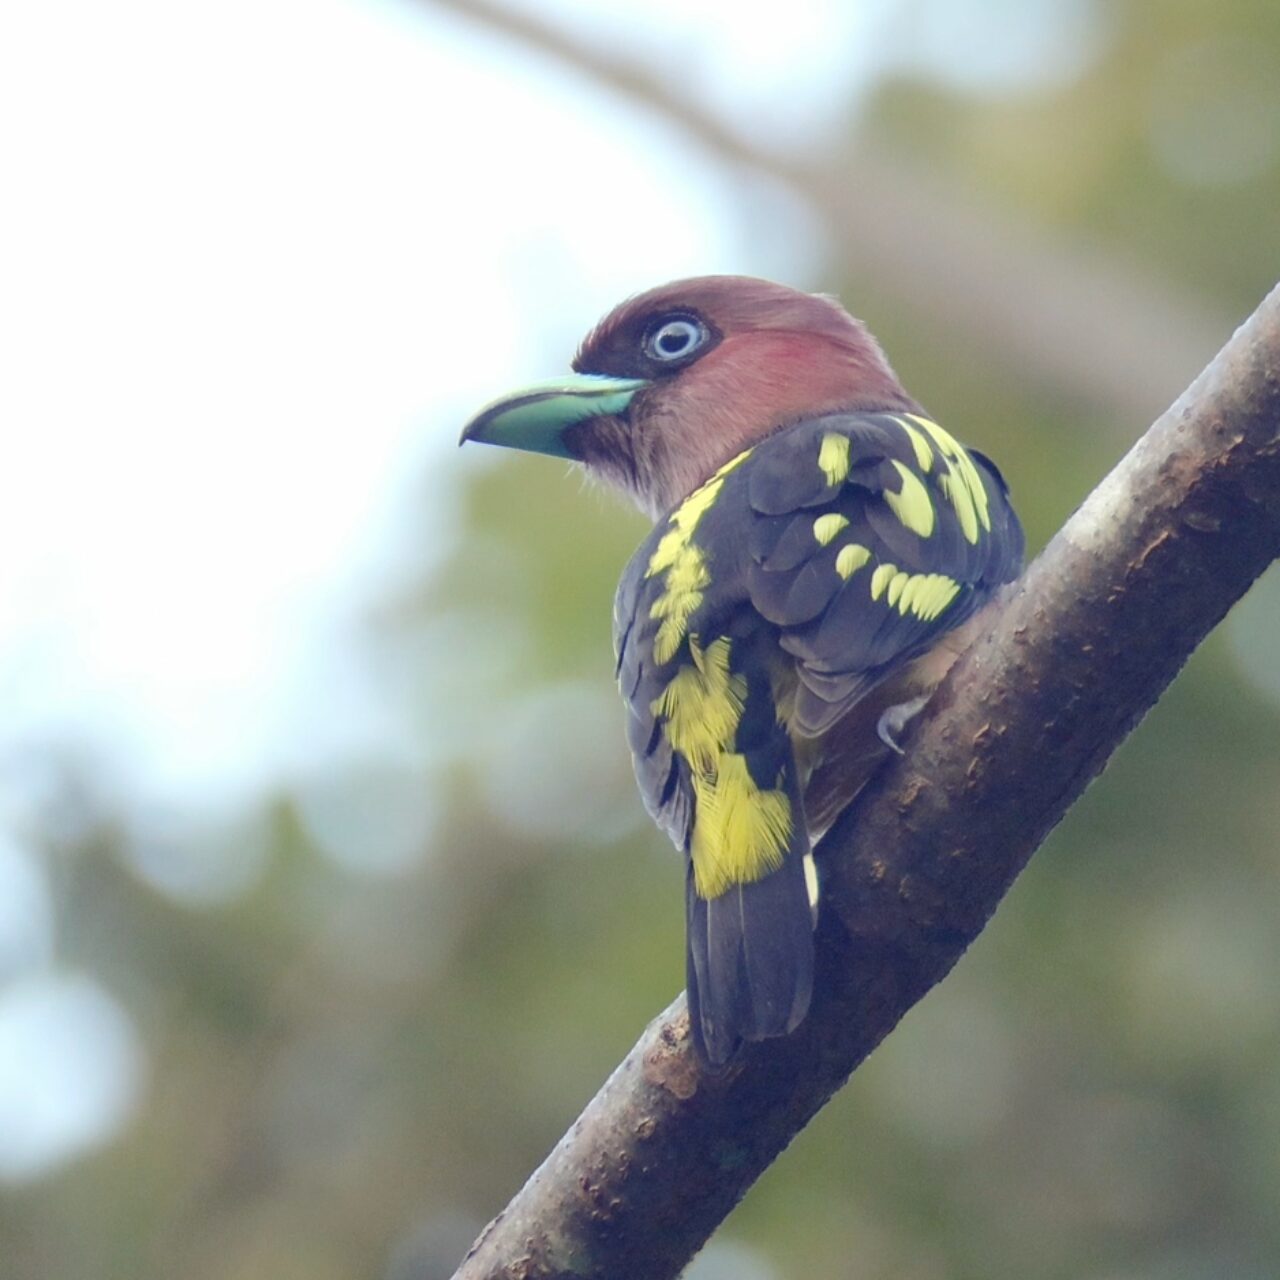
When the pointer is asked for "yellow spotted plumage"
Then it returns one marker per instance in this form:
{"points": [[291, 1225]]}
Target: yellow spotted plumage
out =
{"points": [[762, 610], [682, 564], [743, 829], [816, 538], [911, 504], [701, 705], [833, 456], [850, 559]]}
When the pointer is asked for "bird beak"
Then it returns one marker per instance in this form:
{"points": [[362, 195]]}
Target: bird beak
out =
{"points": [[535, 419]]}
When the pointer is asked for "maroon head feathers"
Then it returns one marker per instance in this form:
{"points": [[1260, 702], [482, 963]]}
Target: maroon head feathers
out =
{"points": [[730, 360]]}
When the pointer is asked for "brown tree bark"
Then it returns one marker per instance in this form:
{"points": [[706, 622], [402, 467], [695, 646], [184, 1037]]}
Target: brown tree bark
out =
{"points": [[1085, 643]]}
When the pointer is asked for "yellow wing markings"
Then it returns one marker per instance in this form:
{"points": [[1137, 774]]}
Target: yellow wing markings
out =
{"points": [[825, 528], [833, 457], [958, 477], [742, 830], [961, 484], [911, 504], [923, 451], [851, 558], [880, 579], [933, 592], [924, 594]]}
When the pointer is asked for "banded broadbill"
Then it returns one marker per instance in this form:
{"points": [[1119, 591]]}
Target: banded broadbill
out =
{"points": [[819, 545]]}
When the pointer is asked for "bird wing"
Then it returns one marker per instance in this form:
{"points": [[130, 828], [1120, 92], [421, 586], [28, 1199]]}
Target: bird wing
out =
{"points": [[870, 536], [759, 612]]}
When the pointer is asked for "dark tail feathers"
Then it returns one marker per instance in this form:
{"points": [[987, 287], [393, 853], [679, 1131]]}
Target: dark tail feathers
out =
{"points": [[750, 961]]}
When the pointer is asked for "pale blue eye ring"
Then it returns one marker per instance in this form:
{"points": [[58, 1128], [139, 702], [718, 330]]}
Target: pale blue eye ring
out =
{"points": [[674, 339]]}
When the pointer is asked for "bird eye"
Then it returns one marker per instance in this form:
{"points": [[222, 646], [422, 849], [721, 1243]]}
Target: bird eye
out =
{"points": [[674, 339]]}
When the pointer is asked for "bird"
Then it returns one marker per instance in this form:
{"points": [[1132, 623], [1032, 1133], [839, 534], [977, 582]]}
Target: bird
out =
{"points": [[822, 551]]}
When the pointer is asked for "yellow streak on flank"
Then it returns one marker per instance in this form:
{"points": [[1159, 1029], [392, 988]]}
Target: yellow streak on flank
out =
{"points": [[924, 454], [702, 705], [962, 484], [883, 575], [850, 559], [682, 591], [826, 527], [911, 504], [833, 457], [685, 565], [740, 832]]}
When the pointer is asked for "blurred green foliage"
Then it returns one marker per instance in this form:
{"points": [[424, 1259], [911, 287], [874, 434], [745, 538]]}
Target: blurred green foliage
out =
{"points": [[349, 1074]]}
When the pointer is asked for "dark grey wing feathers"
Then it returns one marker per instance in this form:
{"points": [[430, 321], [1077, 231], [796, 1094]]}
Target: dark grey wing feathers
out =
{"points": [[842, 622]]}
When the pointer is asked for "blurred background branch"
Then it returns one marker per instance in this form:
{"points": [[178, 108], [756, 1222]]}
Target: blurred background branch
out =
{"points": [[1080, 320]]}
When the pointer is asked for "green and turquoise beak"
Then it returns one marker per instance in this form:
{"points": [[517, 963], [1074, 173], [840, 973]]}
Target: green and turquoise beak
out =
{"points": [[536, 418]]}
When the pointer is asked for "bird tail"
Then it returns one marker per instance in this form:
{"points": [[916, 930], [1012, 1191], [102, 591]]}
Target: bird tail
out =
{"points": [[750, 960]]}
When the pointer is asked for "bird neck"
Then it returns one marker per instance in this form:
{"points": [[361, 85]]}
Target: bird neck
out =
{"points": [[743, 392]]}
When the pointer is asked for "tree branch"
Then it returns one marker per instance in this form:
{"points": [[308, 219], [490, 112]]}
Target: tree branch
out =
{"points": [[1085, 643], [1036, 303]]}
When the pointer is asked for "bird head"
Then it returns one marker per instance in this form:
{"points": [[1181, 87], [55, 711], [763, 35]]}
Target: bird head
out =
{"points": [[676, 381]]}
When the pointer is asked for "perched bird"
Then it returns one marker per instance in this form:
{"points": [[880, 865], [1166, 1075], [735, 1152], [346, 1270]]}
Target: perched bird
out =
{"points": [[819, 546]]}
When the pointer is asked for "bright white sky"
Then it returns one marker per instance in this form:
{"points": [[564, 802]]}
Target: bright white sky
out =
{"points": [[264, 257]]}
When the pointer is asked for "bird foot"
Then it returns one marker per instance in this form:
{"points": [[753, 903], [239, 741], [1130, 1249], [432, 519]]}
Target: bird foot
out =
{"points": [[894, 720]]}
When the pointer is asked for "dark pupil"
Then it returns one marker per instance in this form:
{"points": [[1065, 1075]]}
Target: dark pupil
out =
{"points": [[674, 340]]}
